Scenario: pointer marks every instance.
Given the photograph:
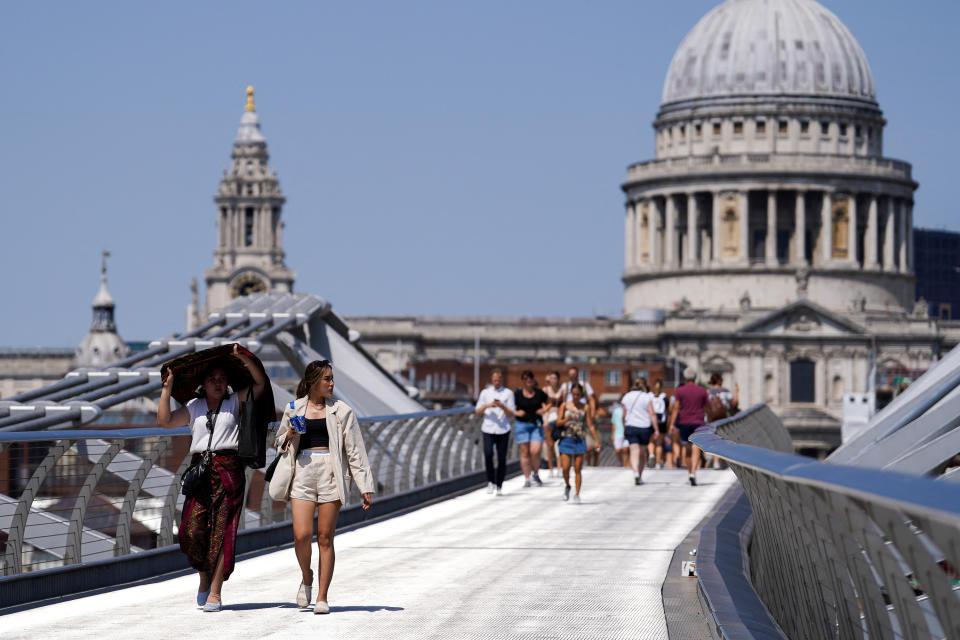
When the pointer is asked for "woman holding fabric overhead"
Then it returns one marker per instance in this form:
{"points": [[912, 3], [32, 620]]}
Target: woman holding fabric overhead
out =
{"points": [[211, 516], [322, 444]]}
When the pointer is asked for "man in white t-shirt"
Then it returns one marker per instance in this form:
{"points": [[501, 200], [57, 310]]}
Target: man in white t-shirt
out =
{"points": [[496, 404], [573, 377]]}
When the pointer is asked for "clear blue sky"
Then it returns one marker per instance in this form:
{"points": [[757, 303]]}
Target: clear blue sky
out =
{"points": [[437, 157]]}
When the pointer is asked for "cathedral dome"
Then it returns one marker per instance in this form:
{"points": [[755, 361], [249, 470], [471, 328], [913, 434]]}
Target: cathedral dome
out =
{"points": [[769, 48]]}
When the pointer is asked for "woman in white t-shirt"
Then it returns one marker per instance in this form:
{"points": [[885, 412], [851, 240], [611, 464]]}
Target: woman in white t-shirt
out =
{"points": [[639, 422], [208, 530], [660, 402]]}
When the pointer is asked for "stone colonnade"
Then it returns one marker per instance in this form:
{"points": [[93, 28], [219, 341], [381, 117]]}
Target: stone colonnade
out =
{"points": [[692, 229]]}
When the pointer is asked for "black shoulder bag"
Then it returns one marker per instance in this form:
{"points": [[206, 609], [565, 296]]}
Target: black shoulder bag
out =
{"points": [[192, 480]]}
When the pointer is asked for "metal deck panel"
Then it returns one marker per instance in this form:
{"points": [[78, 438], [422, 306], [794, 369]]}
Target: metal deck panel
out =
{"points": [[524, 565]]}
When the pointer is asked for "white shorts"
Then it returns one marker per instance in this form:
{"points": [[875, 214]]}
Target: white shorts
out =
{"points": [[313, 477], [620, 443]]}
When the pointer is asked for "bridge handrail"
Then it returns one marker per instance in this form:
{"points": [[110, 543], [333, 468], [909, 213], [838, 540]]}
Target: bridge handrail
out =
{"points": [[843, 551], [71, 496]]}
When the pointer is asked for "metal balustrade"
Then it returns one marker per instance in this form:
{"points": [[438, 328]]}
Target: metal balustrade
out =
{"points": [[73, 496], [839, 551]]}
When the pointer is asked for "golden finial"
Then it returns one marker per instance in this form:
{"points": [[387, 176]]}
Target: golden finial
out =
{"points": [[250, 106]]}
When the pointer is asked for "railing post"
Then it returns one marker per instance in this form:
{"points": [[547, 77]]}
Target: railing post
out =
{"points": [[12, 558]]}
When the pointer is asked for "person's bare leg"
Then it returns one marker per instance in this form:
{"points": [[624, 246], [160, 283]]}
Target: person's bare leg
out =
{"points": [[216, 581], [204, 581], [635, 458], [565, 467], [525, 459], [535, 457], [658, 447], [327, 513], [551, 455], [694, 458], [578, 471], [302, 511]]}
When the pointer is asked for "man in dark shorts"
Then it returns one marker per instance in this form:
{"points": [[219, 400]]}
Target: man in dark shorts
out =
{"points": [[687, 413]]}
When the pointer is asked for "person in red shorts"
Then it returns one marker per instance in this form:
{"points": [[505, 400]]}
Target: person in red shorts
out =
{"points": [[687, 413]]}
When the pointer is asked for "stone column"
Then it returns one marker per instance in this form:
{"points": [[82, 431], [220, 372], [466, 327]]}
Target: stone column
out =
{"points": [[826, 229], [630, 245], [889, 217], [852, 237], [907, 225], [715, 236], [653, 228], [771, 239], [800, 230], [693, 222], [670, 235], [870, 237], [742, 196], [641, 235]]}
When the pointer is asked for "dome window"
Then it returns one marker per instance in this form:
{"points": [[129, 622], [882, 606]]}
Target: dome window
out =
{"points": [[825, 127], [716, 129], [761, 127], [858, 131], [698, 130], [738, 128], [804, 127], [782, 127], [843, 130]]}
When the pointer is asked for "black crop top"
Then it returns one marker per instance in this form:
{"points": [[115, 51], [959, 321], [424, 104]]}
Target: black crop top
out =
{"points": [[316, 435]]}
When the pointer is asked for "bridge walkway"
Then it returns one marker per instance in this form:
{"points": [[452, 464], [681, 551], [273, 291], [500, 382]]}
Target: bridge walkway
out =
{"points": [[523, 565]]}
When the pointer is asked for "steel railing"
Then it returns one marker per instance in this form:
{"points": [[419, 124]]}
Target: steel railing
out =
{"points": [[843, 552], [71, 496]]}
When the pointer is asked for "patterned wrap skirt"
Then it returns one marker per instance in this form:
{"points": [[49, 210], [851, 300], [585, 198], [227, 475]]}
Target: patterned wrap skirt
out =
{"points": [[211, 519]]}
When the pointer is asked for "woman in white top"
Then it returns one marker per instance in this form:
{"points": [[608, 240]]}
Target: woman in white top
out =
{"points": [[208, 531], [639, 422], [660, 402], [555, 399]]}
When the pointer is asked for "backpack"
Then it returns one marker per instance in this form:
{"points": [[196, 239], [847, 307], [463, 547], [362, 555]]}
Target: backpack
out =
{"points": [[716, 410]]}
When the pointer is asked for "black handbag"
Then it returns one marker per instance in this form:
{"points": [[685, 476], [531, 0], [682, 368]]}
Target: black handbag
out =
{"points": [[191, 482], [268, 474], [556, 432], [252, 434]]}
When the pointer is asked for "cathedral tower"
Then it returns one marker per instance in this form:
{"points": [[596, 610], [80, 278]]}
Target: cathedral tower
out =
{"points": [[249, 255]]}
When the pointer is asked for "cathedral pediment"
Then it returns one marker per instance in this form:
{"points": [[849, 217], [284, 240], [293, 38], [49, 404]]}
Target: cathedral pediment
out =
{"points": [[803, 318]]}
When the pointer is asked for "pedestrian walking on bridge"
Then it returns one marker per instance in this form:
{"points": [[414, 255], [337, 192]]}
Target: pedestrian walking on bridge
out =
{"points": [[531, 403], [211, 516], [496, 405], [575, 420], [322, 446]]}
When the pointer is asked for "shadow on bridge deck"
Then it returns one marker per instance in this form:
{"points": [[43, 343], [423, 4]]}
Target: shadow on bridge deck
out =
{"points": [[522, 565]]}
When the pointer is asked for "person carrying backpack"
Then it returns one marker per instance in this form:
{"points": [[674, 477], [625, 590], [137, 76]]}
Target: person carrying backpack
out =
{"points": [[720, 402]]}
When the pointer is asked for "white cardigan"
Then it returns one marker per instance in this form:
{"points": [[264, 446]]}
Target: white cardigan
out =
{"points": [[346, 445]]}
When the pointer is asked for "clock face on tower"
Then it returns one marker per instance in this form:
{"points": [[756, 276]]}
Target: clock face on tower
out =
{"points": [[247, 283]]}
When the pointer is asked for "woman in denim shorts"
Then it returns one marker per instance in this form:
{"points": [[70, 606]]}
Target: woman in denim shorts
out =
{"points": [[575, 419], [531, 403]]}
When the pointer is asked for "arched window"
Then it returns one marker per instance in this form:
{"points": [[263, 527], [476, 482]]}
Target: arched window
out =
{"points": [[802, 381]]}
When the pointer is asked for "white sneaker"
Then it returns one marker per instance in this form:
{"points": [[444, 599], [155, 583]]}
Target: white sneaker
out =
{"points": [[499, 491], [321, 607], [526, 483], [303, 596], [490, 487], [576, 498]]}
